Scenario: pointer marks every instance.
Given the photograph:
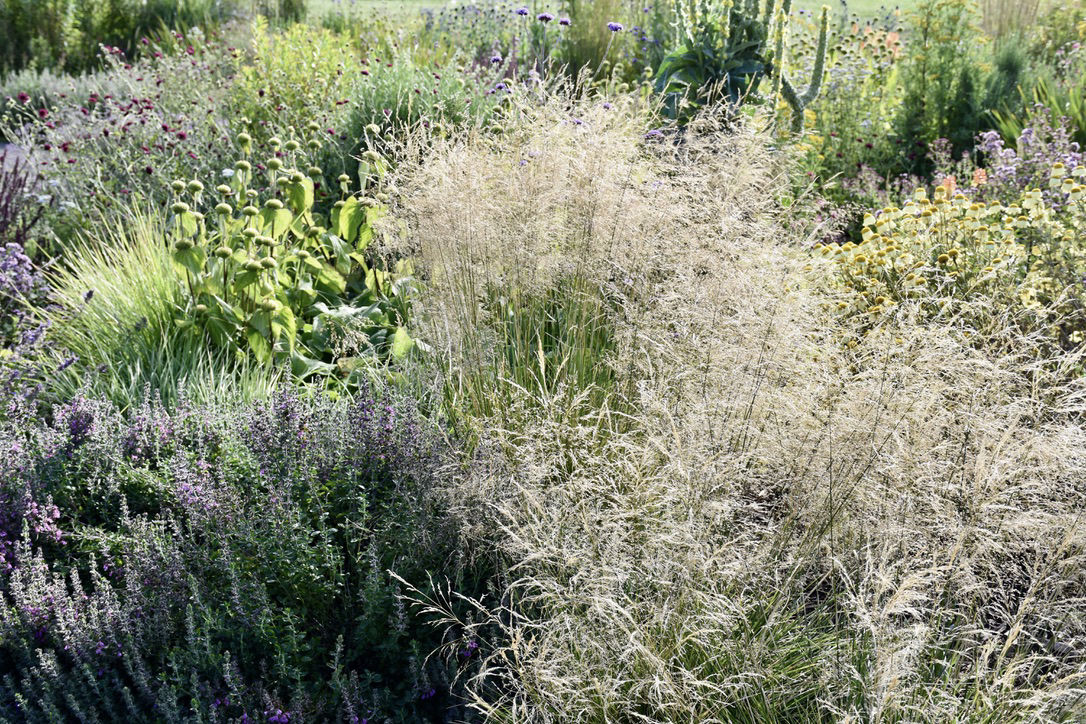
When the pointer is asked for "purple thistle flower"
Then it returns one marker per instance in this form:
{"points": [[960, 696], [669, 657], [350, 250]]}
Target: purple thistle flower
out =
{"points": [[522, 11], [544, 17], [495, 59], [565, 21], [614, 27]]}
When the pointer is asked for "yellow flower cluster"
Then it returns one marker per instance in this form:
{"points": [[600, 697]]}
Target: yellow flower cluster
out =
{"points": [[950, 247]]}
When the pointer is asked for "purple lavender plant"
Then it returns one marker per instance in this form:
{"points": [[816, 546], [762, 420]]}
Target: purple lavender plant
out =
{"points": [[274, 524]]}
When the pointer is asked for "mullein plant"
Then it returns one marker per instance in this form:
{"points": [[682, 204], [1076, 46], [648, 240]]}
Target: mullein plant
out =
{"points": [[727, 49], [267, 275]]}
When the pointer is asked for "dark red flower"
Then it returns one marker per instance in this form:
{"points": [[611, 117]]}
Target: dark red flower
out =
{"points": [[42, 113], [24, 98]]}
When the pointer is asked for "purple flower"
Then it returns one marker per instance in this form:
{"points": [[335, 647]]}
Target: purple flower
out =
{"points": [[614, 27], [544, 17], [522, 11], [565, 21], [495, 59]]}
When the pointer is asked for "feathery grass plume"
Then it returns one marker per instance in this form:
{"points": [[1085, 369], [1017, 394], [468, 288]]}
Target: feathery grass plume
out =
{"points": [[765, 514]]}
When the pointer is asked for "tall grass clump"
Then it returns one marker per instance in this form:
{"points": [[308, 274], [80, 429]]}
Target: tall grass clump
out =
{"points": [[113, 329], [768, 512], [536, 312]]}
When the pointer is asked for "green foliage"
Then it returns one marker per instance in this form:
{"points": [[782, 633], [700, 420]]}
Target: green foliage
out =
{"points": [[65, 34], [112, 320], [723, 57], [398, 93], [941, 82], [587, 43], [1057, 88], [282, 282], [800, 101], [1063, 25], [553, 345], [726, 50]]}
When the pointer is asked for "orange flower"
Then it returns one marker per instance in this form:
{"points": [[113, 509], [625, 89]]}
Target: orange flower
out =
{"points": [[980, 177]]}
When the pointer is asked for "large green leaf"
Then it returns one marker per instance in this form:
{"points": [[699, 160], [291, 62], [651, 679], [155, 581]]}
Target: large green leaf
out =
{"points": [[275, 221], [402, 344]]}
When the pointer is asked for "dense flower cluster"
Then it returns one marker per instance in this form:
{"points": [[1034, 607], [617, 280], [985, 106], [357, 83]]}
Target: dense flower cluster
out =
{"points": [[275, 523], [951, 249]]}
